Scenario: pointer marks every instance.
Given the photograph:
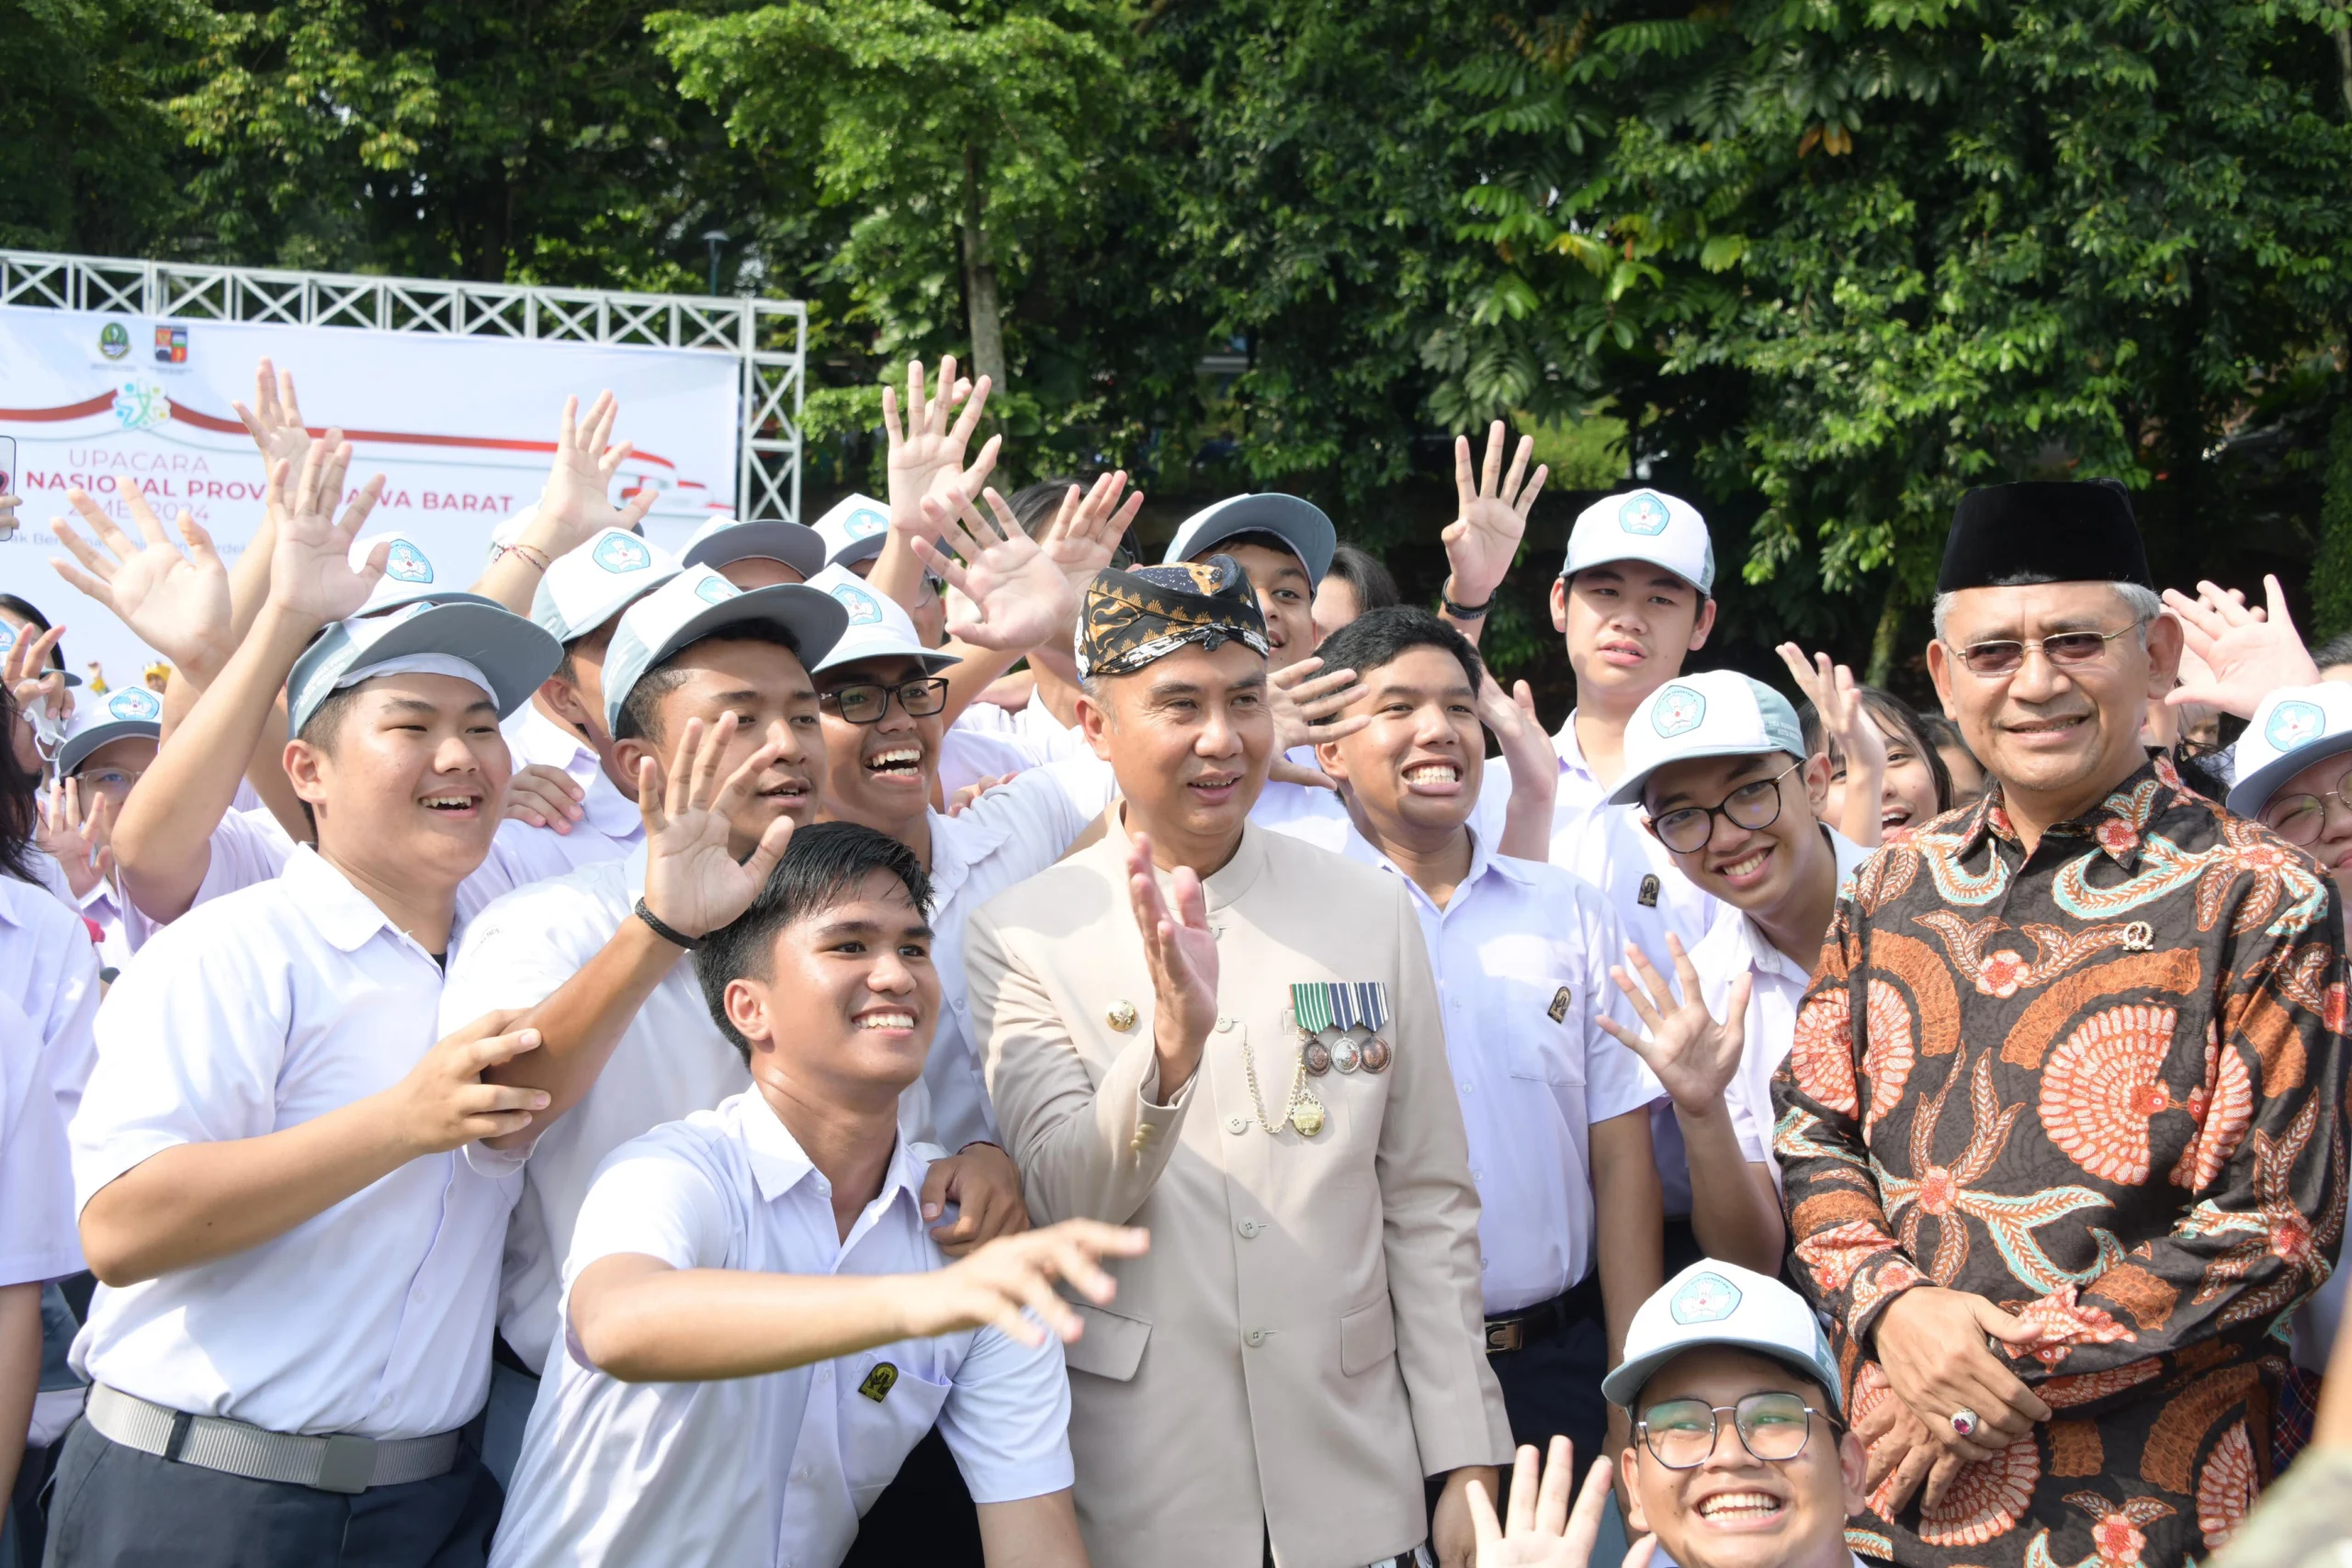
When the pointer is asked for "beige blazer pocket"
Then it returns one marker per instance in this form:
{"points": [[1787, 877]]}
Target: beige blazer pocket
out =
{"points": [[1112, 1346], [1367, 1337]]}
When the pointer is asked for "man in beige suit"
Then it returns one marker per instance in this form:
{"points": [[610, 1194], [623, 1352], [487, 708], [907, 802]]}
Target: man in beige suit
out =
{"points": [[1259, 1078]]}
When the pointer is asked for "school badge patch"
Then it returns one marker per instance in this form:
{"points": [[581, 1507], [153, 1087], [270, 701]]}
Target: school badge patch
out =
{"points": [[2293, 723], [1648, 896], [1558, 1011], [1680, 711], [1644, 514], [1705, 1298], [880, 1382]]}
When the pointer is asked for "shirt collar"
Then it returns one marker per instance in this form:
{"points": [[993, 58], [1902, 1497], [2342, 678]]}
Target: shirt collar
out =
{"points": [[2114, 827], [344, 914], [1484, 861], [779, 1163], [1563, 741]]}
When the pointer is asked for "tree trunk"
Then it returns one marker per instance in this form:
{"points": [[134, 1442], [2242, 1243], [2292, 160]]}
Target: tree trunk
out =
{"points": [[1882, 640], [980, 304], [2344, 64]]}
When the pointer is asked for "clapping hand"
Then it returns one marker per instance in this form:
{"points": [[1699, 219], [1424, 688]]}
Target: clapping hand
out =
{"points": [[176, 605], [1694, 1057], [692, 882], [1180, 951], [1543, 1531], [926, 458], [1019, 596], [2250, 653], [577, 503], [311, 574], [1491, 520]]}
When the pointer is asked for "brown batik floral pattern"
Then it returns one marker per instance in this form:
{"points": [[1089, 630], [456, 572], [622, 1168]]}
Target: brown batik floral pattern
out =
{"points": [[2100, 1085]]}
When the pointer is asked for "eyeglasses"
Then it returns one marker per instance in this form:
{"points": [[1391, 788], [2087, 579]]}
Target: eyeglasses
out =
{"points": [[2065, 648], [2302, 819], [110, 778], [866, 701], [1772, 1427], [1687, 828]]}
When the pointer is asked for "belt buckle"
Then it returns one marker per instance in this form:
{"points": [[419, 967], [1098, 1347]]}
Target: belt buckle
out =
{"points": [[1505, 1334], [348, 1464]]}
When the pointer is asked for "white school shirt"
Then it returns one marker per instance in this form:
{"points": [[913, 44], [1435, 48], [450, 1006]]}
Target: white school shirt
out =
{"points": [[38, 1241], [1608, 847], [1516, 939], [290, 999], [1304, 811], [1737, 945], [776, 1469], [987, 741], [50, 969], [1006, 837], [610, 825]]}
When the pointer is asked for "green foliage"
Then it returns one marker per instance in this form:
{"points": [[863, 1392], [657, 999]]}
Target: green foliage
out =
{"points": [[2332, 570]]}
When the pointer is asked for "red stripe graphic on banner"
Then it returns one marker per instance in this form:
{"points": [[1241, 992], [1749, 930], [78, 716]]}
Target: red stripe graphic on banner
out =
{"points": [[236, 427], [71, 410]]}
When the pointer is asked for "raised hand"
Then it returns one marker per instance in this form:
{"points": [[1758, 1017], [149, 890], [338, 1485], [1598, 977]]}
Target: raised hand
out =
{"points": [[311, 574], [1837, 699], [1490, 517], [577, 501], [1302, 700], [542, 796], [1019, 596], [985, 1186], [1180, 951], [1694, 1057], [27, 671], [442, 1104], [1009, 1283], [176, 605], [2249, 653], [77, 833], [926, 458], [1526, 745], [1084, 536], [1543, 1532], [692, 882], [275, 419]]}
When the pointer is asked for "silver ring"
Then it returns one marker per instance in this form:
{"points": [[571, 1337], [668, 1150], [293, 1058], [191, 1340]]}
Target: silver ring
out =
{"points": [[1965, 1422]]}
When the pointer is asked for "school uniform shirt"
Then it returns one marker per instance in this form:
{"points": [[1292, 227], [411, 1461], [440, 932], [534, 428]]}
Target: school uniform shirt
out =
{"points": [[1737, 945], [747, 1473], [610, 825], [1608, 847], [1522, 954], [987, 741], [293, 998], [1004, 838], [1307, 812], [38, 1239], [50, 969]]}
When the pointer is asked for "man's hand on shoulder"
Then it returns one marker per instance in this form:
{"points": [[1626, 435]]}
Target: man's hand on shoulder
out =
{"points": [[982, 1182]]}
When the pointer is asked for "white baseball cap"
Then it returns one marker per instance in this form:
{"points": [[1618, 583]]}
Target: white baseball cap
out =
{"points": [[1719, 713], [853, 530], [499, 651], [409, 575], [879, 627], [1648, 525], [698, 603], [1299, 524], [583, 588], [118, 716], [2291, 728], [1722, 1303], [723, 539]]}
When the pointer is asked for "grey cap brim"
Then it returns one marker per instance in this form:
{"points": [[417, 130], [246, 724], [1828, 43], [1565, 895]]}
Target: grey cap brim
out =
{"points": [[78, 748], [1629, 789], [1624, 1383], [795, 545], [2249, 795], [1299, 524], [814, 617], [515, 655]]}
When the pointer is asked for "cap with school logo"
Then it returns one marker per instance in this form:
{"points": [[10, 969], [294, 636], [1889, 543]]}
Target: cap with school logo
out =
{"points": [[1646, 525], [879, 627], [9, 640], [722, 540], [463, 636], [408, 576], [853, 530], [1301, 525], [698, 603], [134, 711], [585, 587], [1721, 1303], [1720, 713], [2291, 728]]}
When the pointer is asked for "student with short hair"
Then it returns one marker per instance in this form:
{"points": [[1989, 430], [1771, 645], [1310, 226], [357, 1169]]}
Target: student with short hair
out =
{"points": [[756, 1327], [299, 1252]]}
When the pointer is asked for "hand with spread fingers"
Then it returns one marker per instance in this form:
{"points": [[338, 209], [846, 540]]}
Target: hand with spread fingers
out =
{"points": [[30, 678], [1180, 951], [176, 605], [1851, 732], [74, 831], [1693, 1058], [311, 574], [693, 884], [1491, 516], [1543, 1531], [1019, 596], [1084, 535], [983, 1183], [1931, 1343], [1306, 700], [576, 503], [275, 419], [926, 455], [1009, 1283], [2248, 653]]}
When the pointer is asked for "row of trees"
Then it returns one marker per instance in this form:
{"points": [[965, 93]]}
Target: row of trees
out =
{"points": [[1828, 262]]}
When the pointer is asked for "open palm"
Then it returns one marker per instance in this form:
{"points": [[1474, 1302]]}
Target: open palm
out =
{"points": [[1491, 511], [176, 605], [926, 457], [310, 572], [1019, 596], [692, 882], [1693, 1056]]}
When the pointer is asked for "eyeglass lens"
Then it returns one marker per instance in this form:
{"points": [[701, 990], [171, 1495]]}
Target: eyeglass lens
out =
{"points": [[866, 704], [2302, 819], [2002, 657], [1681, 1433], [1751, 805]]}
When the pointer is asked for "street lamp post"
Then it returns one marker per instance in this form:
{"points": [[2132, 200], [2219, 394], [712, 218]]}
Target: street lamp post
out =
{"points": [[714, 238]]}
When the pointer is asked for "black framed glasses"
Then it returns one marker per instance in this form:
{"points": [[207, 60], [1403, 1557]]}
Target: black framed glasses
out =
{"points": [[867, 702], [1686, 829], [2301, 818], [1773, 1427], [2065, 648]]}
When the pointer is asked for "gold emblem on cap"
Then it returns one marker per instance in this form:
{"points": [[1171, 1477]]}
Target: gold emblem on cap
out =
{"points": [[1120, 1016]]}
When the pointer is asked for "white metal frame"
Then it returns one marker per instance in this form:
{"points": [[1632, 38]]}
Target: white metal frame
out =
{"points": [[770, 337]]}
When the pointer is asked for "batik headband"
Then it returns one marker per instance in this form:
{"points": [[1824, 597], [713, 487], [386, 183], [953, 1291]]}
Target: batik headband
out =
{"points": [[1132, 619]]}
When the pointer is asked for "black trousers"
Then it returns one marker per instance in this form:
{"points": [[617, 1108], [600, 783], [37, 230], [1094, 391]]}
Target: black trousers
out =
{"points": [[1553, 1386], [117, 1508], [924, 1516]]}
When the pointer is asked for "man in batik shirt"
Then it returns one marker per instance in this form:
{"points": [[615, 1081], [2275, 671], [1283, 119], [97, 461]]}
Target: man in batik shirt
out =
{"points": [[2060, 1128]]}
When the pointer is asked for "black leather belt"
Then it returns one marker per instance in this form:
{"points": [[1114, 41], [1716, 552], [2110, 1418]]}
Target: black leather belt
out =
{"points": [[1545, 1320]]}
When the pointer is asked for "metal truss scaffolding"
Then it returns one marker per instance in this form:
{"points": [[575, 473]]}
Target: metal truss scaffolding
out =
{"points": [[769, 337]]}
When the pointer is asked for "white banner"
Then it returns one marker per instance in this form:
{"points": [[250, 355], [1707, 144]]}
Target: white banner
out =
{"points": [[462, 428]]}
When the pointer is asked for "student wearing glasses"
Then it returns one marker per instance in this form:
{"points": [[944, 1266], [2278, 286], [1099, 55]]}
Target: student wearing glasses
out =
{"points": [[2060, 1126]]}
